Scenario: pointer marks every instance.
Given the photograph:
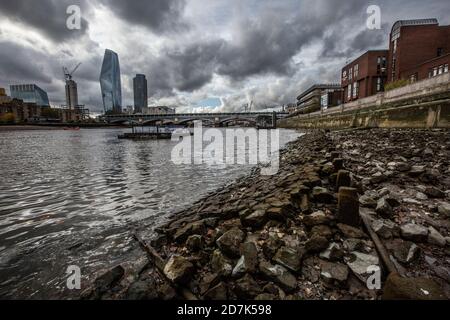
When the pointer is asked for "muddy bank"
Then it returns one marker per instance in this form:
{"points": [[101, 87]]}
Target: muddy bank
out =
{"points": [[299, 234]]}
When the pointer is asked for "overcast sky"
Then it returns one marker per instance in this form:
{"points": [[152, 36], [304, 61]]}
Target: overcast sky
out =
{"points": [[197, 54]]}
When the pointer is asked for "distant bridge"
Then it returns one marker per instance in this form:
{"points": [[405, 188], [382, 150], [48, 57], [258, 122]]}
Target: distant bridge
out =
{"points": [[211, 119]]}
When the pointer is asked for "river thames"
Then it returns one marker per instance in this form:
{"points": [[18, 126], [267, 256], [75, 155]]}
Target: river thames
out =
{"points": [[75, 197]]}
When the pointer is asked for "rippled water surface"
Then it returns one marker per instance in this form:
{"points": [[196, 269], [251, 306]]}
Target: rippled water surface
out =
{"points": [[75, 197]]}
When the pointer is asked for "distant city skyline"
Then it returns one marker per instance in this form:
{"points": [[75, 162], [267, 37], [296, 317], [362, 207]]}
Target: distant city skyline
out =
{"points": [[261, 51]]}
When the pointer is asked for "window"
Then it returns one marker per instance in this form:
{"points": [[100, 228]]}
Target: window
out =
{"points": [[349, 92], [440, 51], [379, 84], [446, 68], [435, 71], [344, 75], [441, 69], [395, 45], [356, 71], [350, 74], [355, 90]]}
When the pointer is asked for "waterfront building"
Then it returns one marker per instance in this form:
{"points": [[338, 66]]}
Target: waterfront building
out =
{"points": [[110, 83], [319, 96], [418, 49], [140, 93], [17, 111], [3, 96], [30, 93], [364, 76], [158, 110]]}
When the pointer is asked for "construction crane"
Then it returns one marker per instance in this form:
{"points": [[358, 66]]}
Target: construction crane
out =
{"points": [[68, 75]]}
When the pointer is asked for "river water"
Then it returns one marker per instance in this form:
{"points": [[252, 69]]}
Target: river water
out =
{"points": [[75, 197]]}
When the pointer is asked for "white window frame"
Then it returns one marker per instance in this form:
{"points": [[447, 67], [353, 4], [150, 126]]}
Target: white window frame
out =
{"points": [[355, 90]]}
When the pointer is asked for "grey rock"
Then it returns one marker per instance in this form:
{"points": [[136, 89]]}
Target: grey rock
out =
{"points": [[279, 275], [218, 292], [334, 272], [404, 251], [221, 264], [367, 201], [316, 243], [239, 269], [444, 209], [384, 209], [250, 254], [229, 243], [316, 218], [385, 228], [247, 288], [290, 258], [414, 232], [334, 252], [435, 238], [378, 177], [178, 269], [434, 192], [142, 290], [351, 232], [416, 171], [183, 233], [361, 262], [402, 288], [421, 196], [255, 219], [194, 243]]}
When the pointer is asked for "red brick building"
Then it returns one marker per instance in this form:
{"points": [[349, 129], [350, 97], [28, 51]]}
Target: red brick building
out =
{"points": [[365, 76], [418, 49]]}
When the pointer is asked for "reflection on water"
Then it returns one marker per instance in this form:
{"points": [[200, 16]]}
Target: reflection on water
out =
{"points": [[74, 198]]}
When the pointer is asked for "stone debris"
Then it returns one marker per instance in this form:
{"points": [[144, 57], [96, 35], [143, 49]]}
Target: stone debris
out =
{"points": [[414, 232], [298, 234], [178, 269]]}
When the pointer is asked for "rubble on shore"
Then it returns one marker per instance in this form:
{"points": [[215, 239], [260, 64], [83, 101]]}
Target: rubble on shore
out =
{"points": [[298, 234]]}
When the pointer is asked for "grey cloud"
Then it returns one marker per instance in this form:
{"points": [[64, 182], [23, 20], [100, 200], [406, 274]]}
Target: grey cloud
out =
{"points": [[47, 16], [258, 47], [18, 63], [156, 15]]}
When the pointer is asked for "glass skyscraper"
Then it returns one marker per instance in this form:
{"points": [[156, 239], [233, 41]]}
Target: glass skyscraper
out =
{"points": [[30, 93], [110, 83], [140, 93]]}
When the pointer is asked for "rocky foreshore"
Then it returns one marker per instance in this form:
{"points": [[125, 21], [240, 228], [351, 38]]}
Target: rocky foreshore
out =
{"points": [[340, 204]]}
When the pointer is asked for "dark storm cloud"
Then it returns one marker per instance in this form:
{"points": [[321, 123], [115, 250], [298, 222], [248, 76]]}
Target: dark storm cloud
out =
{"points": [[47, 16], [184, 69], [261, 46], [334, 47], [156, 15], [18, 63]]}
